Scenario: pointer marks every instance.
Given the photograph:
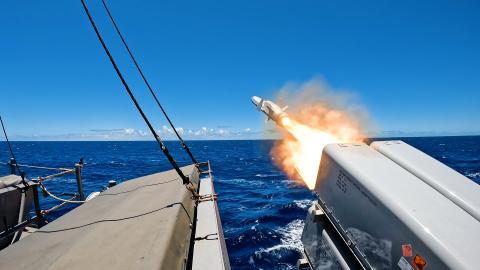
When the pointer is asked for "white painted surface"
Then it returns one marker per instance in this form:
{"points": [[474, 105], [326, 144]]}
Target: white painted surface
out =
{"points": [[388, 202], [456, 187], [208, 253]]}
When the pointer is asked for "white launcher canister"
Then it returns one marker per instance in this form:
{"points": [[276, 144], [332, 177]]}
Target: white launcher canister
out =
{"points": [[391, 206]]}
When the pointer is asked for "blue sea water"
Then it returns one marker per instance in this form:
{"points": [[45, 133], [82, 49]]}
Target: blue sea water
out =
{"points": [[262, 210]]}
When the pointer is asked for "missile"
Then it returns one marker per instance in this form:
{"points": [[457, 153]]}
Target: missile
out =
{"points": [[270, 109]]}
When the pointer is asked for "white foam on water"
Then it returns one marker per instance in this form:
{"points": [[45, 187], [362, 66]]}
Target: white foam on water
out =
{"points": [[254, 227], [289, 238], [473, 175], [251, 261], [242, 181], [264, 175], [117, 162], [303, 203]]}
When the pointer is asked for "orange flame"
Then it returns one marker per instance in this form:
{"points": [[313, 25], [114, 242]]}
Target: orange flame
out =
{"points": [[306, 133]]}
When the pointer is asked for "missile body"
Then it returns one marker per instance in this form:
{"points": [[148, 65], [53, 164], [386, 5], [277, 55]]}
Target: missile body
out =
{"points": [[270, 109]]}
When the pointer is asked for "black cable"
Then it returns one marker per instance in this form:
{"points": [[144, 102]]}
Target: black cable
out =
{"points": [[20, 172], [137, 188], [132, 97], [120, 219], [184, 145], [10, 147]]}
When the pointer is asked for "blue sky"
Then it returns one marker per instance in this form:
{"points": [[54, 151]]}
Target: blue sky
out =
{"points": [[415, 65]]}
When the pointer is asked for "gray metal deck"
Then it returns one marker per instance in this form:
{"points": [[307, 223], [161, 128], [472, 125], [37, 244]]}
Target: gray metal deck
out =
{"points": [[143, 223]]}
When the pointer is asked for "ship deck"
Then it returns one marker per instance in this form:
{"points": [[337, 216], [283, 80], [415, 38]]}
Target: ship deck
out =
{"points": [[144, 223]]}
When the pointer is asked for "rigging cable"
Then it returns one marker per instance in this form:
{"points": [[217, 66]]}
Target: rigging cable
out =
{"points": [[23, 190], [10, 146], [184, 145], [132, 97], [57, 197], [22, 174]]}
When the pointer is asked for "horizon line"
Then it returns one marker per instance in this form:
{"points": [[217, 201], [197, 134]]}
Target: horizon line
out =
{"points": [[245, 139]]}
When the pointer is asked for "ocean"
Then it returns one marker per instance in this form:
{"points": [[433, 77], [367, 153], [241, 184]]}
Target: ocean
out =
{"points": [[262, 210]]}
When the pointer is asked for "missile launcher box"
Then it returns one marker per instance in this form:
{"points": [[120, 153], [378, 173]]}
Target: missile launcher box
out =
{"points": [[391, 211]]}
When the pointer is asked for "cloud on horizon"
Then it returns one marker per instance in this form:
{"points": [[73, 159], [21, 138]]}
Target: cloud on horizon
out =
{"points": [[165, 132], [202, 133]]}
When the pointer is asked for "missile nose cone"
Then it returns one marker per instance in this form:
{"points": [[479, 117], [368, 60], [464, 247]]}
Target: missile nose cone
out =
{"points": [[256, 100]]}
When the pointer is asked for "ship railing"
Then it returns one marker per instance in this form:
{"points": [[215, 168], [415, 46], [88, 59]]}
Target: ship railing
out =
{"points": [[204, 168], [36, 183]]}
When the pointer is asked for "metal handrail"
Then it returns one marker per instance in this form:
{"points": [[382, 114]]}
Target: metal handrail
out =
{"points": [[33, 166], [38, 181]]}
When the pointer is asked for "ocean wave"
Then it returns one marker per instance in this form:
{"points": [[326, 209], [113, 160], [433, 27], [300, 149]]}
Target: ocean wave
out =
{"points": [[241, 181], [265, 175], [303, 203], [289, 238], [117, 163], [473, 175]]}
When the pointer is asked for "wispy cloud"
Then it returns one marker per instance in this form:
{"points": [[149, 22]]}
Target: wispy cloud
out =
{"points": [[106, 130], [165, 132], [202, 133]]}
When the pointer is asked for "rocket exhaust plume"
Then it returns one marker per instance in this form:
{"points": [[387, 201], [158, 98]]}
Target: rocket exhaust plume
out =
{"points": [[316, 116]]}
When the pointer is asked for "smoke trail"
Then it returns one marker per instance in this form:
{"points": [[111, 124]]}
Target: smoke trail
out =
{"points": [[319, 115]]}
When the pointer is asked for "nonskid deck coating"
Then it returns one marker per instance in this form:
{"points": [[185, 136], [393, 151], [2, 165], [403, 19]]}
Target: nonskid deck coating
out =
{"points": [[143, 223]]}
